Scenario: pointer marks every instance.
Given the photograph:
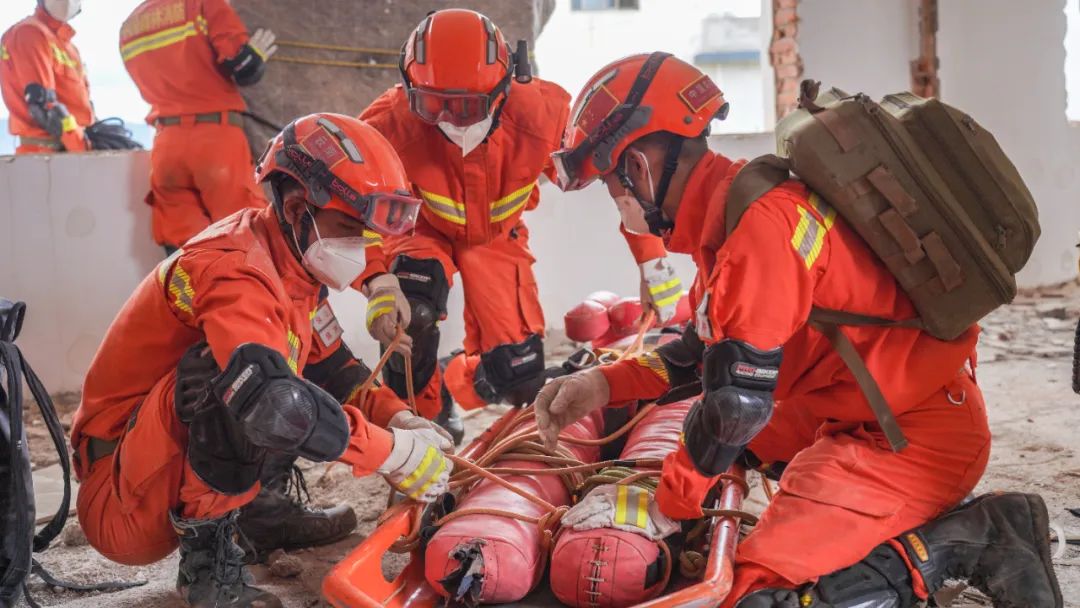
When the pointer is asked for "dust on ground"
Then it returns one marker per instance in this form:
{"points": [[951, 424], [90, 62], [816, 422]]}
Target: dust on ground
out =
{"points": [[1024, 369]]}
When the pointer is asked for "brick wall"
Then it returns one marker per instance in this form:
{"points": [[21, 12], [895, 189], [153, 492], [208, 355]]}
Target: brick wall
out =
{"points": [[924, 68], [784, 55]]}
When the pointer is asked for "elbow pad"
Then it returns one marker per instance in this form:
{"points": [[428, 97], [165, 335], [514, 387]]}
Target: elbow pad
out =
{"points": [[738, 381], [46, 111], [246, 67]]}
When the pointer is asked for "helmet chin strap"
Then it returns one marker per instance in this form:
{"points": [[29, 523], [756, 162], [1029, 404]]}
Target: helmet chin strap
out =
{"points": [[659, 224]]}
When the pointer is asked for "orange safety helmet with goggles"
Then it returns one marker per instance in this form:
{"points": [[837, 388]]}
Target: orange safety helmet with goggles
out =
{"points": [[620, 105], [456, 67], [345, 165]]}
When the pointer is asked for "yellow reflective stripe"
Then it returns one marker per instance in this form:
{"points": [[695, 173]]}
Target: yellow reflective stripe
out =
{"points": [[620, 504], [311, 315], [61, 56], [444, 207], [653, 363], [808, 238], [669, 300], [4, 54], [430, 479], [379, 307], [68, 124], [826, 210], [374, 239], [294, 351], [642, 508], [425, 464], [180, 288], [664, 286], [509, 204], [202, 25], [158, 40]]}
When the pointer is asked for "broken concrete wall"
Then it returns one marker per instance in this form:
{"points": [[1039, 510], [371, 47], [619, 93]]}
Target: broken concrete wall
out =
{"points": [[294, 89]]}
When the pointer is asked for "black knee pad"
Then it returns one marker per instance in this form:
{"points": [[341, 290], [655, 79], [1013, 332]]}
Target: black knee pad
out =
{"points": [[424, 283], [513, 373]]}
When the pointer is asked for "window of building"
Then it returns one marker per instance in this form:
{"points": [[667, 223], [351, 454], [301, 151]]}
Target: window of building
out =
{"points": [[603, 5], [1072, 60]]}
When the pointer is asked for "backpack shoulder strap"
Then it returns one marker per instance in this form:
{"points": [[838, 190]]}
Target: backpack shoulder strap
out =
{"points": [[869, 387], [56, 432], [751, 183]]}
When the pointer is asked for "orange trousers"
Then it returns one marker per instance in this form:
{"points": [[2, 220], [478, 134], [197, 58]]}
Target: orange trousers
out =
{"points": [[199, 174], [125, 498], [845, 491], [502, 302]]}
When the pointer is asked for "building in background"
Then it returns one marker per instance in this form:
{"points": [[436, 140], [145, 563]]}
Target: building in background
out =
{"points": [[725, 38]]}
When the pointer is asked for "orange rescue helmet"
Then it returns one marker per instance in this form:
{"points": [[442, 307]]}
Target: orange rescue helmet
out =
{"points": [[456, 67], [627, 100], [346, 165]]}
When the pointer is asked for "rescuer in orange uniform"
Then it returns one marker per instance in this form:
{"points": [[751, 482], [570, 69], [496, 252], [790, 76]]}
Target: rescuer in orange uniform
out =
{"points": [[849, 524], [188, 59], [169, 446], [475, 131], [43, 81]]}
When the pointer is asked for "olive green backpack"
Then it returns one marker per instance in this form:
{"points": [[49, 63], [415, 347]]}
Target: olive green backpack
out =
{"points": [[927, 188]]}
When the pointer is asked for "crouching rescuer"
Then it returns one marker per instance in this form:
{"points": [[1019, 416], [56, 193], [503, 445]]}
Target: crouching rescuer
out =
{"points": [[211, 381], [867, 510], [475, 131]]}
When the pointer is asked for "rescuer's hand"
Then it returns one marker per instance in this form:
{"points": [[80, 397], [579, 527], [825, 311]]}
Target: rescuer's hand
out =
{"points": [[623, 507], [387, 310], [566, 400], [661, 288], [262, 42], [408, 421], [416, 466]]}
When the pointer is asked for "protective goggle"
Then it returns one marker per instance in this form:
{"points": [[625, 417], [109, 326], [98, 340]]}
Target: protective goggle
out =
{"points": [[567, 176], [458, 109], [390, 213]]}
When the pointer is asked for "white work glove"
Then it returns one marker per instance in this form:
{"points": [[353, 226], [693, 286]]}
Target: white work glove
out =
{"points": [[661, 288], [408, 421], [626, 507], [388, 309], [565, 400], [262, 42], [416, 466]]}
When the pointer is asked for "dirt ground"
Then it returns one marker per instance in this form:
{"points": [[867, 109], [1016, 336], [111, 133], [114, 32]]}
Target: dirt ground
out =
{"points": [[1024, 369]]}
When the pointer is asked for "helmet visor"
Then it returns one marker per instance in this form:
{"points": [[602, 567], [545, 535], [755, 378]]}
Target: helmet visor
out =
{"points": [[391, 214], [458, 109]]}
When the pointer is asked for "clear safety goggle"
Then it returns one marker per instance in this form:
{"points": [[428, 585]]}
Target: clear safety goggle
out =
{"points": [[458, 109], [391, 214], [566, 171]]}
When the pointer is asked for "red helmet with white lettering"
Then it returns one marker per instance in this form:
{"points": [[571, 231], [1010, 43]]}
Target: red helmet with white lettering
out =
{"points": [[627, 100], [346, 165]]}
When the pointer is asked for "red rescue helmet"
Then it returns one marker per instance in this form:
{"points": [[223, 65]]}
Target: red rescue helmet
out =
{"points": [[627, 100], [456, 67], [345, 165]]}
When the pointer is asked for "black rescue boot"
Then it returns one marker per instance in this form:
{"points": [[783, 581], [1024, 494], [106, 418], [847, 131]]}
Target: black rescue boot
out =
{"points": [[448, 417], [212, 571], [279, 517], [880, 580], [998, 543]]}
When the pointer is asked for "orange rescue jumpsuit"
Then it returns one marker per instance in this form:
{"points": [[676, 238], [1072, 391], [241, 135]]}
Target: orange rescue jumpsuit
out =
{"points": [[201, 168], [38, 50], [237, 282], [471, 219], [844, 491]]}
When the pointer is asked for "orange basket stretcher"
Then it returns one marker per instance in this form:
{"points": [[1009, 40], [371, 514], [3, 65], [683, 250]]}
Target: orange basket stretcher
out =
{"points": [[358, 581]]}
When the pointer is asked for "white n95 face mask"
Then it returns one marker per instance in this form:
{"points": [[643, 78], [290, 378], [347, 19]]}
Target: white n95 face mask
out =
{"points": [[467, 138], [63, 10], [633, 216], [335, 262]]}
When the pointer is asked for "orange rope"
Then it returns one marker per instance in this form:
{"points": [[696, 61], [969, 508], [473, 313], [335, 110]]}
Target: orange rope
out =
{"points": [[646, 325]]}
